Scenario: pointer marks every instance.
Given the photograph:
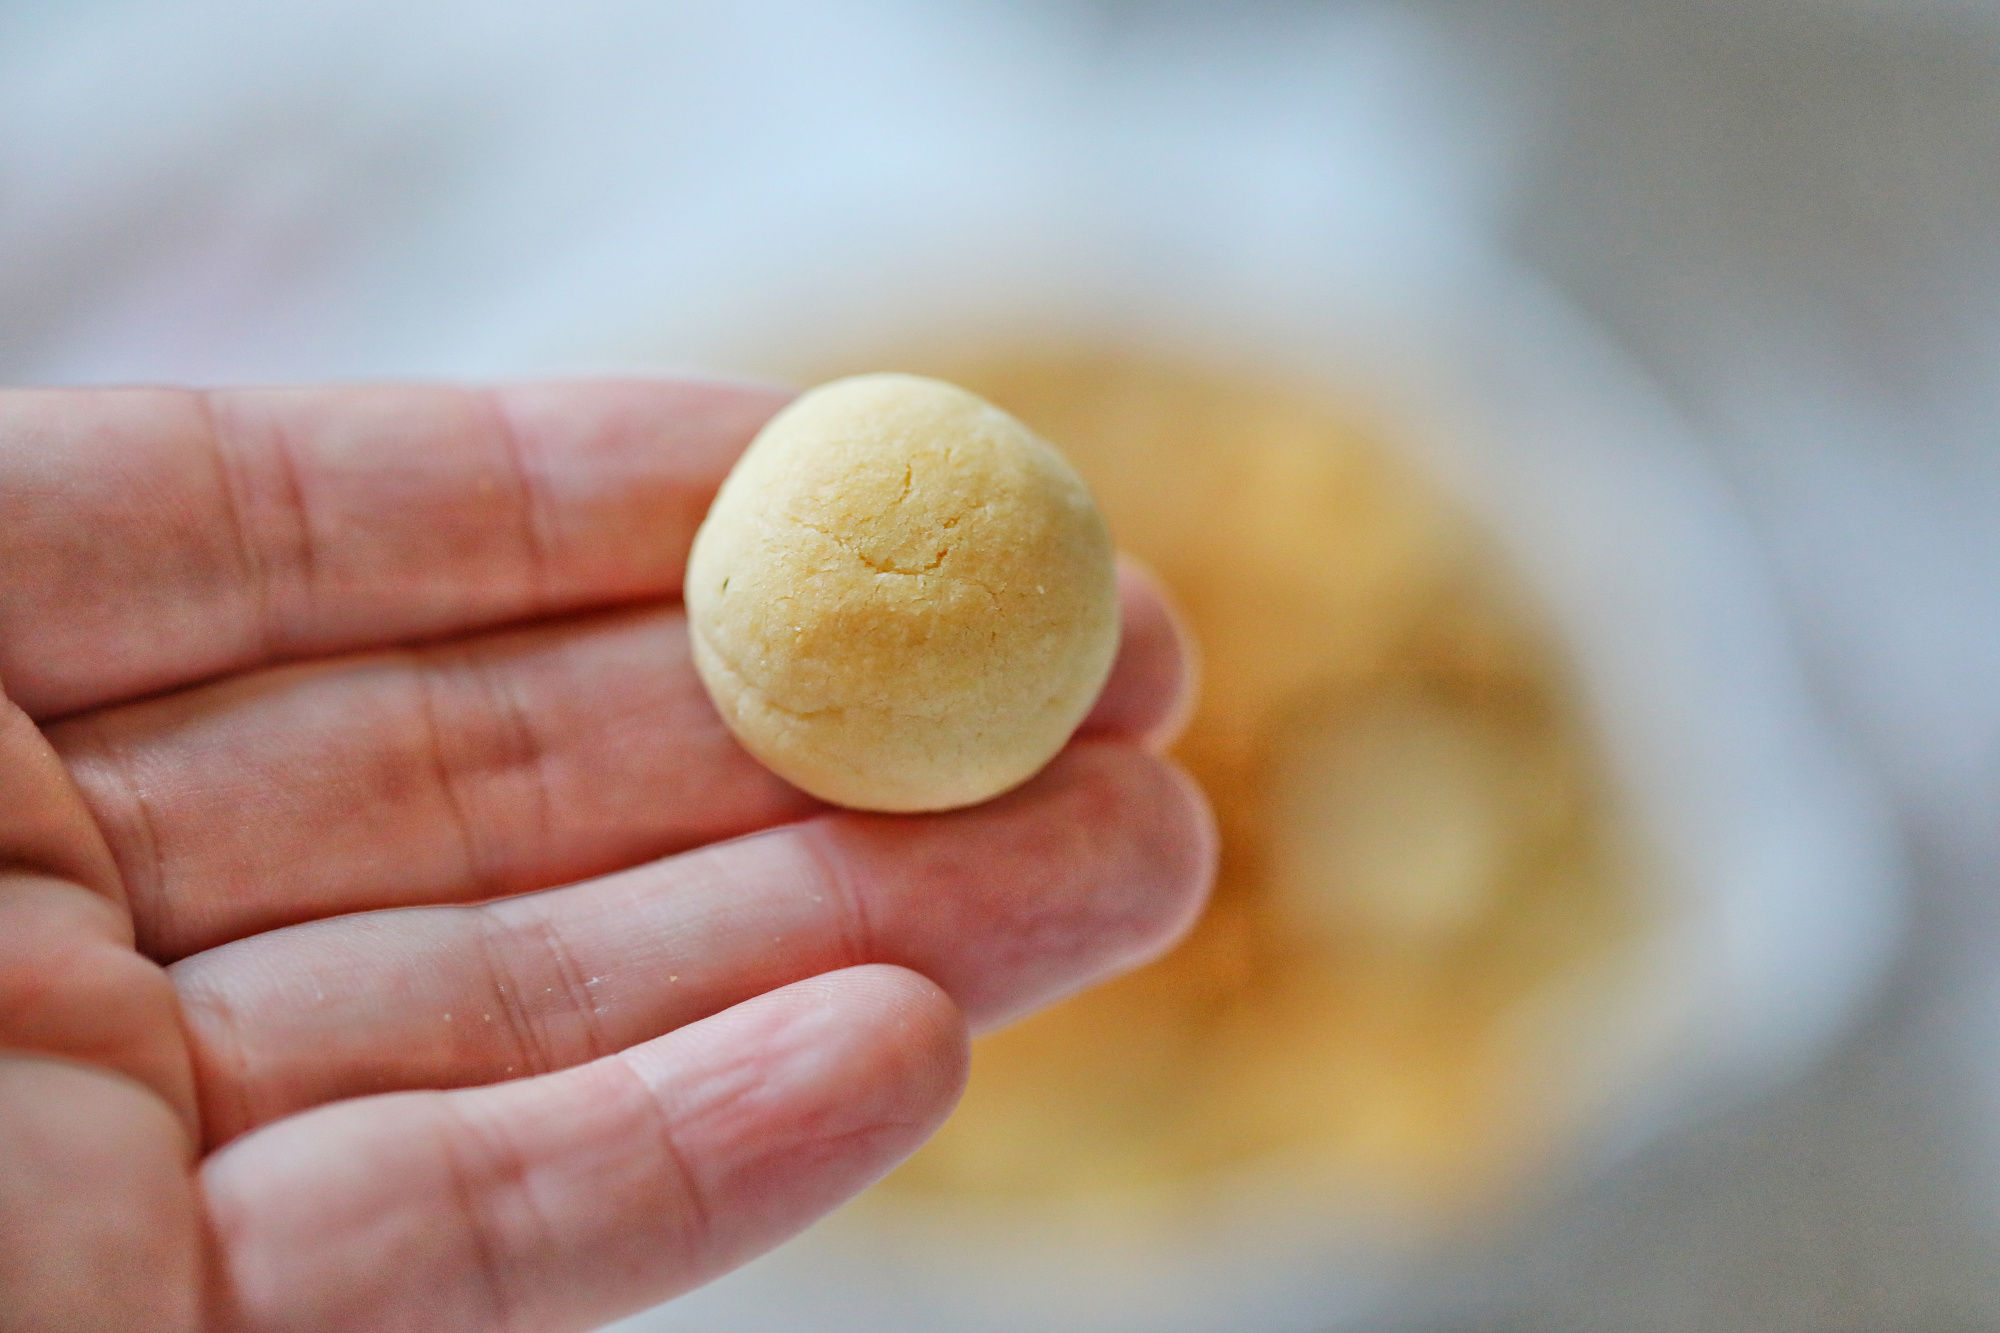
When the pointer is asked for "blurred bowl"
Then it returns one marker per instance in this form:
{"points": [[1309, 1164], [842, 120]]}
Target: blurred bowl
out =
{"points": [[1771, 867]]}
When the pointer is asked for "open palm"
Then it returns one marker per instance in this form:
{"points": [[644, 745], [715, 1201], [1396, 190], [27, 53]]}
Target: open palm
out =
{"points": [[381, 943]]}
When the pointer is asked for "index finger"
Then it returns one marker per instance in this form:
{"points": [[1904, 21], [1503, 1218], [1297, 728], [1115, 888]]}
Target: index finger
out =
{"points": [[153, 537]]}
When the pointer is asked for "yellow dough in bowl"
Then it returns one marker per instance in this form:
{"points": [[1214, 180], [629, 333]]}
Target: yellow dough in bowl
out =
{"points": [[902, 599]]}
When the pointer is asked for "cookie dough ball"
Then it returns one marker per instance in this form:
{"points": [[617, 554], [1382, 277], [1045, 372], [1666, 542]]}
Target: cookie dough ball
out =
{"points": [[901, 598]]}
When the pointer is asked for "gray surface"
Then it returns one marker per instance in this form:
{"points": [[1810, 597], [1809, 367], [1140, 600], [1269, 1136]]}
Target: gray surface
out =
{"points": [[1791, 215]]}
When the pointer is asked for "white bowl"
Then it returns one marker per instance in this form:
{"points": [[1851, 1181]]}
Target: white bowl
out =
{"points": [[1771, 857]]}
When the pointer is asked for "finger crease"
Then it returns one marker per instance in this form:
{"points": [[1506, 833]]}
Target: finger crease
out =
{"points": [[428, 674], [523, 750], [580, 998], [700, 1219], [256, 575], [144, 875], [537, 529], [852, 919], [222, 1029], [295, 502], [533, 1051], [455, 1134]]}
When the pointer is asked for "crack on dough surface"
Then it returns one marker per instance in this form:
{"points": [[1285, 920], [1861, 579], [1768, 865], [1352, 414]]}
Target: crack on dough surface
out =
{"points": [[879, 566]]}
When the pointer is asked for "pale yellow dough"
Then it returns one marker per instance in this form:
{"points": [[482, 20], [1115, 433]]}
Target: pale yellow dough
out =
{"points": [[902, 599]]}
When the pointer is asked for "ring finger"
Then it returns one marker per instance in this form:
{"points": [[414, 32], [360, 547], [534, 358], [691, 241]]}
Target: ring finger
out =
{"points": [[1096, 864]]}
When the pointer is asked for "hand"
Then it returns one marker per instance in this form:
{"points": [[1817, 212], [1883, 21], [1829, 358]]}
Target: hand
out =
{"points": [[316, 698]]}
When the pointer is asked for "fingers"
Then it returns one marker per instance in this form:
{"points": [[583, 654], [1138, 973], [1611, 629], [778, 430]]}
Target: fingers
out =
{"points": [[1151, 691], [70, 983], [149, 538], [506, 762], [564, 1201], [1097, 864]]}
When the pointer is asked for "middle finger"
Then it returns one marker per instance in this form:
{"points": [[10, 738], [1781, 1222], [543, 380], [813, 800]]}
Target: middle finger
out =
{"points": [[498, 764], [502, 763]]}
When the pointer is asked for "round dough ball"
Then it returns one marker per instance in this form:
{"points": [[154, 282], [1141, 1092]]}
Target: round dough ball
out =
{"points": [[902, 599]]}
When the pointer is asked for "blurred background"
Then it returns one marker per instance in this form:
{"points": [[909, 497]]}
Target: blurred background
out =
{"points": [[1574, 429]]}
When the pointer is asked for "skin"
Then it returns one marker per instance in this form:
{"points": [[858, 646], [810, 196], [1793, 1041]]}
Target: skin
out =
{"points": [[391, 936]]}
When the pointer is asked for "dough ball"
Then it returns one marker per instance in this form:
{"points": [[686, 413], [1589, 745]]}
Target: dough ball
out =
{"points": [[902, 599]]}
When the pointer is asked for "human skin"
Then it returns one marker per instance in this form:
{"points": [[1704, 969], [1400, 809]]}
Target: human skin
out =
{"points": [[391, 935]]}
